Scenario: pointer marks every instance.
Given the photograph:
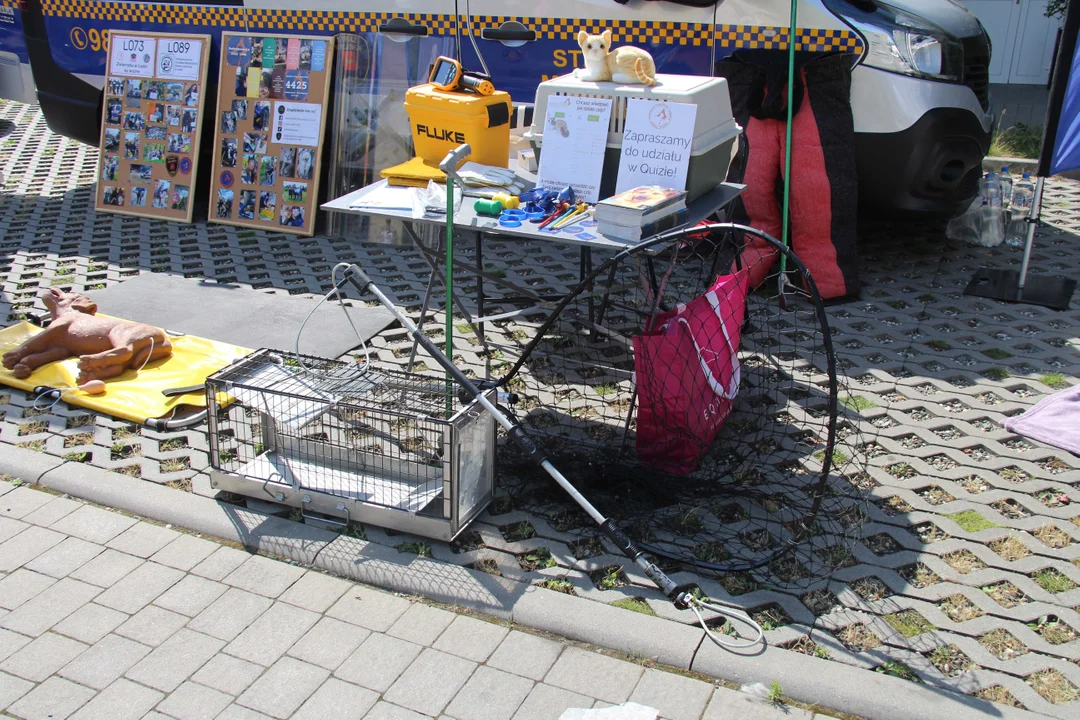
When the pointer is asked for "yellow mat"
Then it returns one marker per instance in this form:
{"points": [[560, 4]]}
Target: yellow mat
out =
{"points": [[131, 396]]}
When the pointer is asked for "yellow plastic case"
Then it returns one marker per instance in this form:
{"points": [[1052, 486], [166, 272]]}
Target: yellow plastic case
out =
{"points": [[442, 120]]}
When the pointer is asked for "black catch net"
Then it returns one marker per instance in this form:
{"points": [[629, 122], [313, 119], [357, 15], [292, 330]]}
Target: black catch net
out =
{"points": [[698, 406]]}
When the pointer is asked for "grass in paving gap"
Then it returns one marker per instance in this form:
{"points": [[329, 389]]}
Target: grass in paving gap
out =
{"points": [[1056, 381], [558, 585], [1053, 630], [1010, 548], [538, 559], [935, 495], [820, 602], [770, 617], [998, 694], [1019, 140], [806, 645], [871, 589], [898, 669], [609, 578], [963, 561], [971, 521], [858, 638], [857, 402], [1053, 536], [1006, 594], [419, 547], [909, 623], [1053, 686], [636, 604], [950, 660], [959, 608], [919, 575], [1053, 580], [1002, 645]]}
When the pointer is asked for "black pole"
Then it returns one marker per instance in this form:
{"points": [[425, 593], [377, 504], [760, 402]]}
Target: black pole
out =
{"points": [[1062, 65]]}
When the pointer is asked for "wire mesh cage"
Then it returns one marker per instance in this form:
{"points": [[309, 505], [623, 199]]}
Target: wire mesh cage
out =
{"points": [[769, 497], [348, 444]]}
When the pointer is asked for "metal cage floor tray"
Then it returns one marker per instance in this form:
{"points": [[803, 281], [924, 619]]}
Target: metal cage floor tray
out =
{"points": [[364, 487]]}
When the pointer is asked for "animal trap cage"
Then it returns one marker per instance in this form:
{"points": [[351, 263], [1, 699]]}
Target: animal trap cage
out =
{"points": [[393, 449]]}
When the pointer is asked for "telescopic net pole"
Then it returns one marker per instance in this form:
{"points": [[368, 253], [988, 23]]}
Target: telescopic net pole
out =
{"points": [[787, 139]]}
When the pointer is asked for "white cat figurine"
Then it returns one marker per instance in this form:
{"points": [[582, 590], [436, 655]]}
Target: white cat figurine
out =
{"points": [[626, 65]]}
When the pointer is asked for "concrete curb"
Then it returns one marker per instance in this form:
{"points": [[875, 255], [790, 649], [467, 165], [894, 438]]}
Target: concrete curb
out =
{"points": [[806, 679]]}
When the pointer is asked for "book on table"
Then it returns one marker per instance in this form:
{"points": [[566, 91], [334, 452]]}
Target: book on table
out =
{"points": [[639, 232], [640, 205]]}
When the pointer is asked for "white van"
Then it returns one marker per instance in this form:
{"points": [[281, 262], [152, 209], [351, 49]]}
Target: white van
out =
{"points": [[920, 95]]}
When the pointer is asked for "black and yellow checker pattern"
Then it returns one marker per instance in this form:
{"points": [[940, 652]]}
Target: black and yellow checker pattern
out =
{"points": [[622, 31], [260, 20], [9, 3], [760, 37], [224, 17]]}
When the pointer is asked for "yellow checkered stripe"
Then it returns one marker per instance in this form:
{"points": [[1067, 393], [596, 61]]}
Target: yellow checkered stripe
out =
{"points": [[343, 22], [229, 17], [622, 31], [9, 3], [760, 37]]}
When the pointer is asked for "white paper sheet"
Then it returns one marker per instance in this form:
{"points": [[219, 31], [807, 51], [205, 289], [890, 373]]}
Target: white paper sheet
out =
{"points": [[297, 123], [575, 138], [179, 58], [133, 56], [657, 140]]}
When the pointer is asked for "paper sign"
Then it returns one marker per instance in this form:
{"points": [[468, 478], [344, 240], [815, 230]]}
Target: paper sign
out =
{"points": [[292, 55], [239, 52], [133, 56], [657, 140], [318, 56], [178, 59], [575, 138], [297, 123]]}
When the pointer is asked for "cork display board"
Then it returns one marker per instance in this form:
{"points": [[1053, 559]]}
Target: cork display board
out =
{"points": [[271, 114], [151, 124]]}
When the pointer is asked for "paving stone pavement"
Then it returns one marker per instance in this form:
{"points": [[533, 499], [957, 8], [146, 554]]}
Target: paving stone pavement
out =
{"points": [[967, 575], [146, 634]]}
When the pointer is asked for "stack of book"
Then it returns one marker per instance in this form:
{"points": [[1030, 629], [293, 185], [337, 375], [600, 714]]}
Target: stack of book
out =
{"points": [[641, 213]]}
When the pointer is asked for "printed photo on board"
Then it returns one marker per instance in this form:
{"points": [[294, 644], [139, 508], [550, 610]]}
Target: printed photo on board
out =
{"points": [[109, 167], [292, 216], [179, 143], [265, 83], [250, 174], [131, 145], [141, 174], [112, 140], [134, 93], [254, 142], [161, 194], [267, 205], [240, 108], [157, 113], [305, 163], [260, 119], [247, 205], [241, 81], [179, 198], [228, 122], [228, 152], [114, 111], [113, 195], [154, 152], [223, 207], [189, 120], [305, 54], [294, 192], [267, 170], [172, 115], [280, 49], [256, 52], [287, 167], [155, 132], [174, 92], [116, 86], [134, 121], [155, 90], [191, 95], [138, 197]]}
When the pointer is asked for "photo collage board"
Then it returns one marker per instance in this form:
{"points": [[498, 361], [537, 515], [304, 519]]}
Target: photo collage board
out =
{"points": [[271, 113], [151, 120]]}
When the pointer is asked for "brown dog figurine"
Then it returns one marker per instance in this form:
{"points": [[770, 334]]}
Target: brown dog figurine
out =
{"points": [[106, 347]]}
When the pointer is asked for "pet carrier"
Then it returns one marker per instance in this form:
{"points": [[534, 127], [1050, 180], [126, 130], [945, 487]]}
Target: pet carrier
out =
{"points": [[394, 449]]}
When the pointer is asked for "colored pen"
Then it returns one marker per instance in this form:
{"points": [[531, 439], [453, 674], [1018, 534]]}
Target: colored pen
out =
{"points": [[556, 214], [562, 216], [572, 217]]}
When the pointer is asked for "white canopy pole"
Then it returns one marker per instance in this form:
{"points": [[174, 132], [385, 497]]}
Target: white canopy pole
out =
{"points": [[1032, 223]]}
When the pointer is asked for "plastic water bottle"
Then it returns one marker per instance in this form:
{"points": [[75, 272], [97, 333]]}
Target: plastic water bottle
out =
{"points": [[1006, 182], [1023, 197], [990, 191]]}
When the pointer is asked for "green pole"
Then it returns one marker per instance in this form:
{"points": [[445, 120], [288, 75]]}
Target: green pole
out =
{"points": [[787, 137], [449, 289]]}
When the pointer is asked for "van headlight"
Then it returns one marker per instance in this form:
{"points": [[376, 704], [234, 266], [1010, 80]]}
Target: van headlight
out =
{"points": [[902, 43]]}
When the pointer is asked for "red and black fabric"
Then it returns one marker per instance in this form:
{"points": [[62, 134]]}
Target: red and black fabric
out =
{"points": [[824, 191]]}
